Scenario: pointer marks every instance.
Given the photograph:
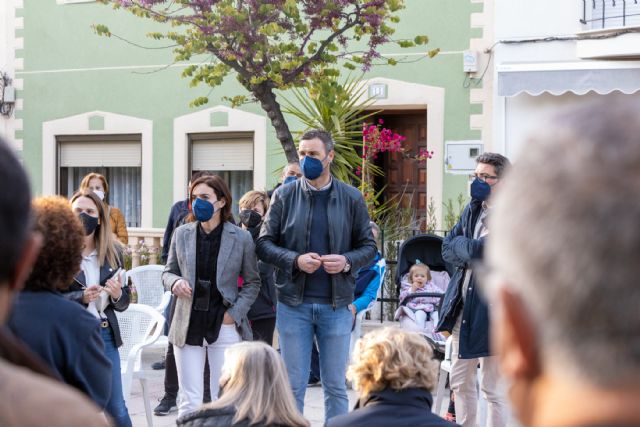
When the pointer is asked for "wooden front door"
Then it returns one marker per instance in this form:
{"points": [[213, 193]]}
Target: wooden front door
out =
{"points": [[406, 177]]}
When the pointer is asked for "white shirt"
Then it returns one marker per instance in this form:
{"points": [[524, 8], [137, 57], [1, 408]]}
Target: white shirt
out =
{"points": [[91, 269]]}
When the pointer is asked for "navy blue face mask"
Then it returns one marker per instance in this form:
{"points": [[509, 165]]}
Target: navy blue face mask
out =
{"points": [[480, 190], [289, 179], [203, 210], [311, 167]]}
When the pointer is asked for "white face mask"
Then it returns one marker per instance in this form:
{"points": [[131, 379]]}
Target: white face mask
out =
{"points": [[99, 193]]}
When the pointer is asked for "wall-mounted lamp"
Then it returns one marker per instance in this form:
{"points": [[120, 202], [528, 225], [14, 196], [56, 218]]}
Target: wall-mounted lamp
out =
{"points": [[7, 95]]}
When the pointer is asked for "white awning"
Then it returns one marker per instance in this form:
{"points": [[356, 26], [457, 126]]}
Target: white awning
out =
{"points": [[99, 150], [602, 77], [222, 152]]}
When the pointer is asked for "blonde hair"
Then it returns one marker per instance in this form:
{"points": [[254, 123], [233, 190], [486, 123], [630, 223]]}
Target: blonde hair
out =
{"points": [[415, 267], [392, 358], [251, 198], [106, 245], [257, 386]]}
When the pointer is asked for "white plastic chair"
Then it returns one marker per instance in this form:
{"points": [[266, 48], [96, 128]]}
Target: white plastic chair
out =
{"points": [[148, 282], [356, 333], [445, 370], [140, 327]]}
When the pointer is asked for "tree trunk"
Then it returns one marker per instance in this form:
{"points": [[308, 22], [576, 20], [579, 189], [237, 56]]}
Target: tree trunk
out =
{"points": [[267, 98]]}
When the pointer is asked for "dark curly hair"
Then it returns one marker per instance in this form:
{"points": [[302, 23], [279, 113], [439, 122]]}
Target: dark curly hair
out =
{"points": [[61, 254]]}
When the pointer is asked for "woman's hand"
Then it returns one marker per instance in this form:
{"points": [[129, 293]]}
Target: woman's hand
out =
{"points": [[227, 319], [181, 289], [91, 293], [114, 287]]}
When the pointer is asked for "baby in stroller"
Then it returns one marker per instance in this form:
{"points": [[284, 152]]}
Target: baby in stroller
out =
{"points": [[418, 312]]}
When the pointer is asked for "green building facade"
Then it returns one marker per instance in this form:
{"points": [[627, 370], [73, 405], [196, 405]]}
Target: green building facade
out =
{"points": [[86, 102]]}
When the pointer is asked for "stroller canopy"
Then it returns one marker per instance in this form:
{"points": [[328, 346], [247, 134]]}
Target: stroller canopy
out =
{"points": [[425, 247]]}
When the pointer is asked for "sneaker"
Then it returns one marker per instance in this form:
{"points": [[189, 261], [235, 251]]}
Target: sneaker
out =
{"points": [[313, 382], [158, 366], [166, 406]]}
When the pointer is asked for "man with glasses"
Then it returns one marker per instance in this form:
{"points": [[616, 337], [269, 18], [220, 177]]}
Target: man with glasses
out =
{"points": [[464, 311]]}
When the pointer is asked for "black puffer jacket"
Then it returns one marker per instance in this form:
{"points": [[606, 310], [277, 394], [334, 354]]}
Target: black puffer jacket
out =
{"points": [[220, 417], [287, 227]]}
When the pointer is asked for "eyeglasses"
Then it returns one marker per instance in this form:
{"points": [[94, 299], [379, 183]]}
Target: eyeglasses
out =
{"points": [[483, 177]]}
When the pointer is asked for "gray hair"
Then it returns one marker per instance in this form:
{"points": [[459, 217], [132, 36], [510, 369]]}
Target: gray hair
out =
{"points": [[322, 135], [498, 161], [565, 238]]}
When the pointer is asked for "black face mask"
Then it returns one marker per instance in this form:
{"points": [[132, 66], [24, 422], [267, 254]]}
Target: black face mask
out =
{"points": [[90, 223], [250, 218]]}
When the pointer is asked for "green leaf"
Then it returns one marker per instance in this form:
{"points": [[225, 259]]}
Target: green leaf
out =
{"points": [[199, 101], [421, 40], [101, 30]]}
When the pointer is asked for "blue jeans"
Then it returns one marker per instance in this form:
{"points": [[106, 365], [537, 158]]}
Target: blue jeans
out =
{"points": [[332, 329], [116, 406]]}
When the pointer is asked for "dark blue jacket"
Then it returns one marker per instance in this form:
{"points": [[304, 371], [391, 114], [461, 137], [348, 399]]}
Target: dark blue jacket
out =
{"points": [[408, 407], [460, 249], [179, 212], [67, 338]]}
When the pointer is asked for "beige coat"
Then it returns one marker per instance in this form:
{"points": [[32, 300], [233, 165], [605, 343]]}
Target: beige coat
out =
{"points": [[237, 257], [31, 400]]}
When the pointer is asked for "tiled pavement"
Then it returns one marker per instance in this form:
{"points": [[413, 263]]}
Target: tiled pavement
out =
{"points": [[314, 400], [314, 403]]}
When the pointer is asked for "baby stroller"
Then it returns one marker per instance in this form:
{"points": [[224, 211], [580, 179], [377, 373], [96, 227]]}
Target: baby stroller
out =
{"points": [[427, 248]]}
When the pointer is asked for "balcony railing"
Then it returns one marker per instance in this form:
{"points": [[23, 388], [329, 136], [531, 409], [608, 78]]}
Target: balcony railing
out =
{"points": [[145, 246], [602, 14]]}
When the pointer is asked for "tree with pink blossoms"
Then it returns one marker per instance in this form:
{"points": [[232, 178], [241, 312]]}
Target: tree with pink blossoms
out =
{"points": [[272, 45], [377, 140]]}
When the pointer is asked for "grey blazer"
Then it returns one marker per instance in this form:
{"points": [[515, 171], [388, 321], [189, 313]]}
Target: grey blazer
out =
{"points": [[237, 257]]}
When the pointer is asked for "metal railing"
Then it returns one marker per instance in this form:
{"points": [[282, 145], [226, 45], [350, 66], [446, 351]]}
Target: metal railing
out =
{"points": [[610, 13]]}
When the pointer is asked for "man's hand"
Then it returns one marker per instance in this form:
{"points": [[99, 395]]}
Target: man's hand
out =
{"points": [[227, 319], [91, 293], [333, 264], [181, 289], [309, 262]]}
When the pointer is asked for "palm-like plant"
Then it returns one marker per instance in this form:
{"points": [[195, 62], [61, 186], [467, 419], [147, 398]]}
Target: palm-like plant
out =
{"points": [[340, 109]]}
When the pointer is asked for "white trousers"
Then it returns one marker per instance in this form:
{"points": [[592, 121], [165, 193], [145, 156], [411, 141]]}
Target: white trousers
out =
{"points": [[190, 365], [463, 381]]}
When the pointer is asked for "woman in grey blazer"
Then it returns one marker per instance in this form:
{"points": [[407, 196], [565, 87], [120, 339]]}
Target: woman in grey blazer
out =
{"points": [[206, 256]]}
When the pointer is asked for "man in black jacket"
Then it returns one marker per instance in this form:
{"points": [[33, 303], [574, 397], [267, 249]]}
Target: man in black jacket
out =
{"points": [[464, 311], [317, 234]]}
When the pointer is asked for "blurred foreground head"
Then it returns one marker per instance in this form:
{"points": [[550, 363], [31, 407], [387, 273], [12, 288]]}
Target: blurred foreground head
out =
{"points": [[564, 270], [18, 244], [254, 381]]}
